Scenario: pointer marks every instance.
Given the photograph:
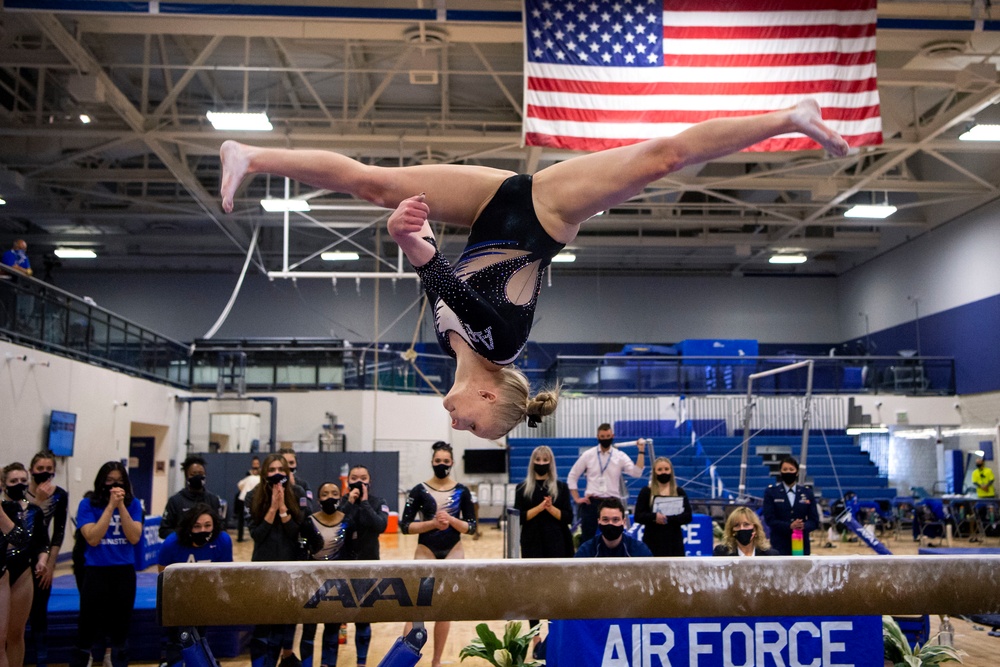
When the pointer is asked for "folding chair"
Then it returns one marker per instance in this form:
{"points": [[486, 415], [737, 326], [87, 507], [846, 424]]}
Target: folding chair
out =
{"points": [[930, 518], [902, 510]]}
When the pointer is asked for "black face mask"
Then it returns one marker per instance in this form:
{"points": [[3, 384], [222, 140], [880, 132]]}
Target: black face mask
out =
{"points": [[16, 491], [359, 485], [611, 532], [980, 464], [789, 478], [441, 471], [329, 505], [542, 469], [277, 478], [606, 442], [42, 477], [200, 539], [744, 537], [196, 482], [664, 478], [292, 470]]}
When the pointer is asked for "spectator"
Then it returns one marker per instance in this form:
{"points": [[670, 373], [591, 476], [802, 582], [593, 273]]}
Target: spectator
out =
{"points": [[307, 503], [245, 486], [789, 506], [546, 512], [612, 542], [663, 509], [982, 478], [17, 257], [193, 493], [199, 539], [111, 523], [372, 519], [446, 513], [275, 518], [53, 501], [744, 536], [21, 560], [602, 466], [328, 535]]}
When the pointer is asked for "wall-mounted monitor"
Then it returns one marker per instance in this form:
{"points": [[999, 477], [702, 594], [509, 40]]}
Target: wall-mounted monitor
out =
{"points": [[485, 461], [62, 433]]}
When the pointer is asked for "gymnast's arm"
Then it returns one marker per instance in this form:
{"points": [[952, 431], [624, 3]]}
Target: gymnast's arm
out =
{"points": [[407, 523]]}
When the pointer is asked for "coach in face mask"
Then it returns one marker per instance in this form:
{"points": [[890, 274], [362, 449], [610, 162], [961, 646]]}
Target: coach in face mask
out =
{"points": [[193, 493]]}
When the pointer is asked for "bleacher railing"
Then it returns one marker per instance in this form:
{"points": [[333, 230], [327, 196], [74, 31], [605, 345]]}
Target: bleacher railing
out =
{"points": [[40, 315], [917, 376]]}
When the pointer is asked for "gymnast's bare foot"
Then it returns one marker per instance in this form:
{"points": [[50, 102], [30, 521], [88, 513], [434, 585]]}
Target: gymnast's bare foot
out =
{"points": [[808, 119], [235, 163]]}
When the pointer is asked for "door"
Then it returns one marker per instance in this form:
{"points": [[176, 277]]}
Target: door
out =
{"points": [[140, 469]]}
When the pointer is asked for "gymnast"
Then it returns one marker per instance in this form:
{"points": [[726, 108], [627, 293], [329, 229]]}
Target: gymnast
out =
{"points": [[484, 305]]}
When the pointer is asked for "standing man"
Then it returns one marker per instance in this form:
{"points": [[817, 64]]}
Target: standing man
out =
{"points": [[17, 257], [612, 542], [789, 506], [194, 492], [982, 478], [603, 466]]}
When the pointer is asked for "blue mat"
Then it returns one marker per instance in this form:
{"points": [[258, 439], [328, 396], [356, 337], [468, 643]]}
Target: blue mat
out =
{"points": [[958, 551]]}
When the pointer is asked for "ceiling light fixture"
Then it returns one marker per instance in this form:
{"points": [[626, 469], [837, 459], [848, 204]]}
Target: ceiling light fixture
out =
{"points": [[875, 211], [564, 257], [860, 430], [282, 205], [75, 253], [340, 256], [788, 259], [981, 133], [3, 202], [256, 122], [85, 119]]}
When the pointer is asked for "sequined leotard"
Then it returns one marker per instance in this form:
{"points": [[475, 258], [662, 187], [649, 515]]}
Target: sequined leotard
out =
{"points": [[456, 501], [484, 298]]}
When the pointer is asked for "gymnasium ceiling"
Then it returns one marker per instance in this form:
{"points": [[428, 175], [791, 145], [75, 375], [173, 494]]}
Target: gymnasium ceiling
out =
{"points": [[138, 184]]}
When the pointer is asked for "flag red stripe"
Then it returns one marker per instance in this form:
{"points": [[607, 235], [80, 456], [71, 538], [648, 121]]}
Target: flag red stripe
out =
{"points": [[769, 6], [676, 88], [850, 31], [782, 144], [769, 59], [670, 116]]}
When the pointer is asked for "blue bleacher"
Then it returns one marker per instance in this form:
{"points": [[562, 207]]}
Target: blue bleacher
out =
{"points": [[854, 468]]}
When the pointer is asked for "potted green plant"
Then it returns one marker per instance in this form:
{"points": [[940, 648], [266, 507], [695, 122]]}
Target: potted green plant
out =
{"points": [[512, 651], [897, 651]]}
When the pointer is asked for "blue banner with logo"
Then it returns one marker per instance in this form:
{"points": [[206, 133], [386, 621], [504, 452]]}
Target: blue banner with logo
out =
{"points": [[828, 641], [697, 535], [147, 549]]}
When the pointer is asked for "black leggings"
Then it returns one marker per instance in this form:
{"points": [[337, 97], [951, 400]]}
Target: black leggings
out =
{"points": [[39, 622], [106, 603]]}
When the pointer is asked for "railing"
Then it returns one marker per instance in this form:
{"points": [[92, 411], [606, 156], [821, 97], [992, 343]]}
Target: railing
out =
{"points": [[919, 376], [45, 317]]}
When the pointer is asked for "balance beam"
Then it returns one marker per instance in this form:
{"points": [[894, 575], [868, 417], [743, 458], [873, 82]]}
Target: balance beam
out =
{"points": [[567, 588]]}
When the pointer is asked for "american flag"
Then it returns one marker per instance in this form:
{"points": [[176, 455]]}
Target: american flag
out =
{"points": [[600, 74]]}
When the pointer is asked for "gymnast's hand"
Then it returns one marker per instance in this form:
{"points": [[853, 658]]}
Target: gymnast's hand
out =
{"points": [[408, 226]]}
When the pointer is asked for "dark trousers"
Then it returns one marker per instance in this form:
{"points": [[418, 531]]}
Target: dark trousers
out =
{"points": [[106, 603], [267, 642], [241, 518], [588, 518], [39, 622]]}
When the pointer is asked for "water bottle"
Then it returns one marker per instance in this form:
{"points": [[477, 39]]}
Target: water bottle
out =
{"points": [[345, 471], [946, 633], [798, 548], [342, 637]]}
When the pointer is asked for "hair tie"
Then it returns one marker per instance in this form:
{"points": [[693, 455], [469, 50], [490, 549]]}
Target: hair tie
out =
{"points": [[534, 421]]}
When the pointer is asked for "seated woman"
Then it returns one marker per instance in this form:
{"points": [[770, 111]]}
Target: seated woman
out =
{"points": [[744, 536], [199, 538]]}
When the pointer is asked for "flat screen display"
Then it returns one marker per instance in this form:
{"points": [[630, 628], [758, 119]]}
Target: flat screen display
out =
{"points": [[485, 461], [62, 433]]}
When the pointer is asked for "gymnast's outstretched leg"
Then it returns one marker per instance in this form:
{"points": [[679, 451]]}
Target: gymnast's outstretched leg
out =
{"points": [[570, 192], [455, 193]]}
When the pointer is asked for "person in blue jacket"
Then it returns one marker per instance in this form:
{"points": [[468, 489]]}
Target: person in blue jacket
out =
{"points": [[611, 540], [110, 520], [199, 538], [789, 506]]}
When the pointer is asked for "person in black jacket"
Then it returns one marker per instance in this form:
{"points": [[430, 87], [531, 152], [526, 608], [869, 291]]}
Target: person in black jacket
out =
{"points": [[546, 512], [663, 509], [371, 520], [53, 501], [789, 506], [193, 493], [275, 518], [744, 536]]}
